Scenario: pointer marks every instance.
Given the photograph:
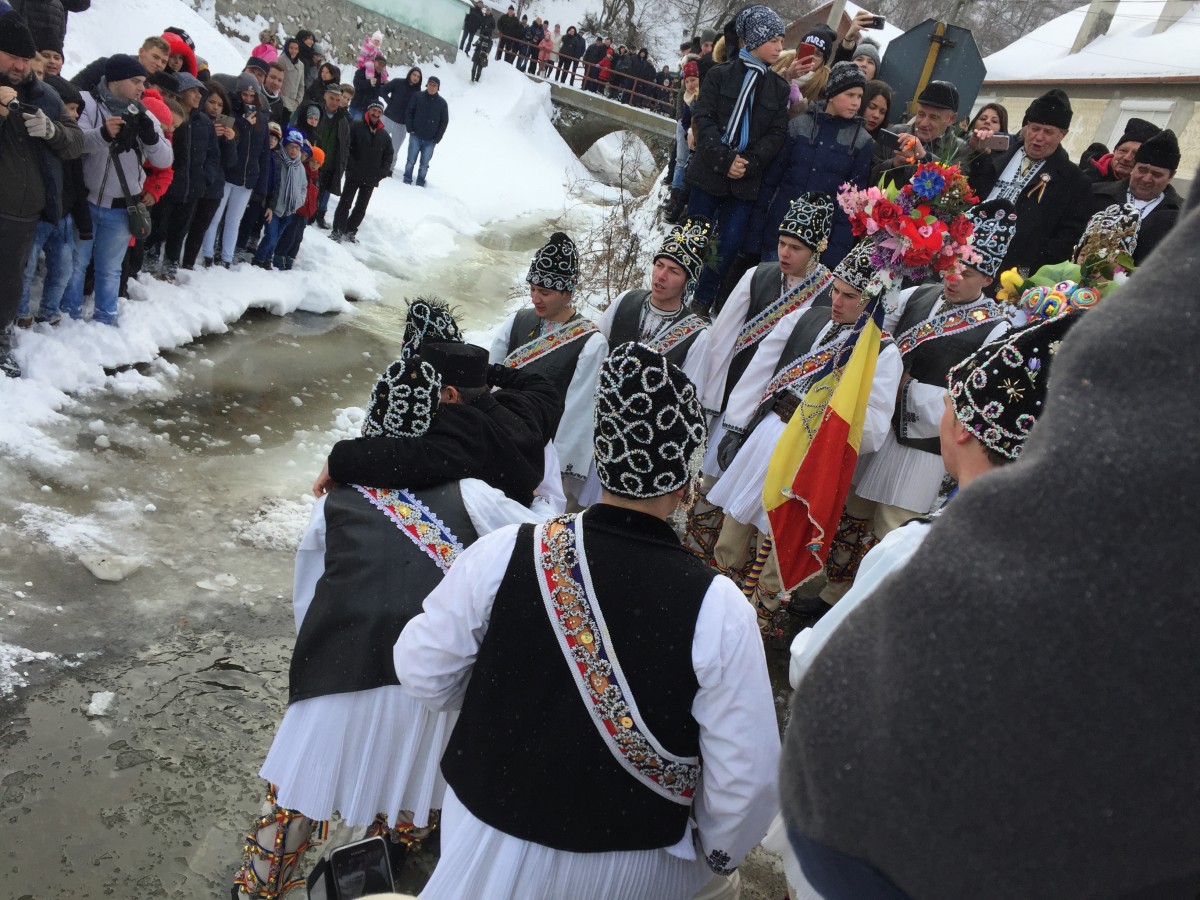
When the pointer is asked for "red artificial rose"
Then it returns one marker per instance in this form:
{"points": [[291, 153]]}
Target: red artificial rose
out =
{"points": [[961, 229], [918, 256], [942, 263], [886, 213], [857, 225]]}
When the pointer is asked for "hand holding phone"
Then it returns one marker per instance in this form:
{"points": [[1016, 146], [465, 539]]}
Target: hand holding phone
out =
{"points": [[876, 23], [998, 143], [804, 51]]}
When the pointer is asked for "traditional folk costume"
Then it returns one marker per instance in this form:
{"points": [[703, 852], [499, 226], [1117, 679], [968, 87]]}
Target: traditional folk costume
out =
{"points": [[615, 739], [764, 401], [569, 354], [352, 741], [903, 478], [761, 302]]}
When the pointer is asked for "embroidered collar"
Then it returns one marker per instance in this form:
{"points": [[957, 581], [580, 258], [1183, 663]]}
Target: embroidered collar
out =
{"points": [[761, 325]]}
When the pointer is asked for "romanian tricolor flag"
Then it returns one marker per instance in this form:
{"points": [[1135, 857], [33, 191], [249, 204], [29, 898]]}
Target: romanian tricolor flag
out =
{"points": [[809, 474]]}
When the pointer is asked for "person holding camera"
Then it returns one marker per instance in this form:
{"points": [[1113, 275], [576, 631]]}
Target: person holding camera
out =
{"points": [[36, 135], [119, 135]]}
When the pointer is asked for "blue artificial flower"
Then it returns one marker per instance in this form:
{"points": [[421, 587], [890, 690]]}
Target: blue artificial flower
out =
{"points": [[928, 184]]}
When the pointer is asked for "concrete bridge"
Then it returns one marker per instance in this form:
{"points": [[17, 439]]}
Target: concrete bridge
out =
{"points": [[584, 118]]}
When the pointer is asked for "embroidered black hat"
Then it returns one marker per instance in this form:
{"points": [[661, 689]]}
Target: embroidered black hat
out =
{"points": [[823, 38], [844, 76], [650, 430], [429, 319], [857, 269], [460, 365], [995, 224], [686, 245], [755, 25], [15, 37], [809, 219], [999, 390], [1052, 108], [939, 95], [1138, 130], [1162, 150], [556, 265], [404, 401], [1111, 231]]}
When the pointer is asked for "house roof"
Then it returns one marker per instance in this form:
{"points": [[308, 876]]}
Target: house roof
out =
{"points": [[800, 27], [1129, 50]]}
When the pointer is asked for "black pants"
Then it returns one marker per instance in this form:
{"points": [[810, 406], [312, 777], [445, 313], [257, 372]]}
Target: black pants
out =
{"points": [[467, 38], [251, 226], [201, 219], [566, 69], [476, 71], [345, 220], [16, 237], [178, 223]]}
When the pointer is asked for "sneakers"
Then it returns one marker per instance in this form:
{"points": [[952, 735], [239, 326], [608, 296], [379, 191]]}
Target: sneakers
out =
{"points": [[261, 263], [25, 322], [420, 184], [208, 261], [351, 237], [223, 263], [407, 179], [336, 236]]}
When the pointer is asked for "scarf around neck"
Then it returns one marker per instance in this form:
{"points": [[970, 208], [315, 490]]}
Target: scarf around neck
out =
{"points": [[737, 131]]}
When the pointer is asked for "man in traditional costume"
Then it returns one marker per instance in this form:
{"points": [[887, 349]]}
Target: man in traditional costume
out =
{"points": [[763, 297], [499, 436], [767, 395], [1148, 190], [936, 326], [617, 730], [551, 338], [352, 741], [995, 720]]}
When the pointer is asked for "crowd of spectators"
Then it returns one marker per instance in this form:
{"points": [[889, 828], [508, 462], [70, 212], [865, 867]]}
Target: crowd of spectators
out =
{"points": [[146, 161]]}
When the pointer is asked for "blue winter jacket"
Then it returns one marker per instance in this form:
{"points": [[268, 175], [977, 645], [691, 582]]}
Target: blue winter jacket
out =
{"points": [[821, 153], [253, 147], [428, 116], [221, 155]]}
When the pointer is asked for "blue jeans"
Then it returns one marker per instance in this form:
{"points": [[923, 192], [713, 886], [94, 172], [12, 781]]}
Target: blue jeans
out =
{"points": [[270, 238], [682, 155], [111, 228], [289, 242], [59, 243], [72, 301], [423, 147], [729, 217], [233, 205]]}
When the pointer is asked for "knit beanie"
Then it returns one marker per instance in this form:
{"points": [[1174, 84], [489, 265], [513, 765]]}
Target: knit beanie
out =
{"points": [[756, 25], [1162, 150], [870, 51], [66, 91], [121, 66], [312, 111], [247, 82], [1052, 108], [691, 69], [15, 37], [844, 76], [823, 38]]}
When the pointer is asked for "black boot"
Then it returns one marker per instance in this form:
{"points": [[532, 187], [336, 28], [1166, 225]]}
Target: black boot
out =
{"points": [[676, 206], [321, 223]]}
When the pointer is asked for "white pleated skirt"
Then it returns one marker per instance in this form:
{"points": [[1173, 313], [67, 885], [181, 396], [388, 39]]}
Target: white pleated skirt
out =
{"points": [[360, 754], [589, 494], [901, 476], [739, 491], [482, 863], [710, 466]]}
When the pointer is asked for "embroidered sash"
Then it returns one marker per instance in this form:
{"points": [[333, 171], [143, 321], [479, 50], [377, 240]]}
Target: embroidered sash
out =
{"points": [[805, 365], [418, 522], [760, 326], [584, 640], [677, 333], [547, 343], [946, 324]]}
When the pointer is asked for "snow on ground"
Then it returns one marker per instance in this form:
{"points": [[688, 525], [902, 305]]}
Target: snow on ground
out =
{"points": [[1129, 49], [500, 159]]}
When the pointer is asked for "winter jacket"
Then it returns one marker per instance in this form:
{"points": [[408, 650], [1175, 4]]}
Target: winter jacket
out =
{"points": [[399, 93], [291, 185], [103, 184], [190, 182], [364, 91], [179, 47], [158, 180], [593, 54], [371, 155], [1100, 170], [221, 155], [31, 170], [315, 95], [269, 53], [709, 166], [472, 19], [821, 153], [268, 179], [1153, 227], [253, 147], [181, 165], [573, 46], [509, 26], [293, 82], [333, 136], [47, 19], [487, 24], [312, 194], [428, 116]]}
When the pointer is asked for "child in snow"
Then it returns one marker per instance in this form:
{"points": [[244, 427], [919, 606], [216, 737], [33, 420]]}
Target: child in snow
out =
{"points": [[293, 235], [479, 58], [371, 48], [545, 52], [291, 191]]}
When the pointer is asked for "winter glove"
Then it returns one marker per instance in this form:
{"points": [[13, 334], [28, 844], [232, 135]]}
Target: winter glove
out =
{"points": [[145, 130], [40, 125], [730, 444]]}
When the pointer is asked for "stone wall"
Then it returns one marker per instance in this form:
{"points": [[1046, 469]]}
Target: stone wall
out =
{"points": [[342, 26]]}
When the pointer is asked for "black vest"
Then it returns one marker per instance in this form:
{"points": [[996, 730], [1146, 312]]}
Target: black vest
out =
{"points": [[931, 361], [765, 287], [557, 365], [627, 319], [375, 580], [525, 756]]}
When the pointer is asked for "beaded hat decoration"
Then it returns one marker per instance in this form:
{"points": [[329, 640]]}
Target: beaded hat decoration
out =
{"points": [[809, 219], [404, 401], [995, 224], [429, 319], [686, 245], [556, 265], [650, 429], [1111, 231], [1051, 302], [998, 391], [856, 269]]}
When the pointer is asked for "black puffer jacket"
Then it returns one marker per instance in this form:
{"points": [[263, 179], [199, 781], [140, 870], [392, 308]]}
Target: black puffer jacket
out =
{"points": [[47, 19], [370, 157], [399, 93], [709, 166]]}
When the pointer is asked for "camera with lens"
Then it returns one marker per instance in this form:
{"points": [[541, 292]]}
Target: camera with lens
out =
{"points": [[14, 106], [131, 114]]}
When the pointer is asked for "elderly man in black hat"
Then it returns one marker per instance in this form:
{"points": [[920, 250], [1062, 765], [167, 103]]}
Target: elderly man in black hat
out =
{"points": [[573, 773], [1117, 166], [1148, 189], [36, 135], [1052, 197], [929, 137]]}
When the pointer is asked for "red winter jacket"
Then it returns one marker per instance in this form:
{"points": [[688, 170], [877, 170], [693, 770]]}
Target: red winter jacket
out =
{"points": [[309, 209], [179, 46]]}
